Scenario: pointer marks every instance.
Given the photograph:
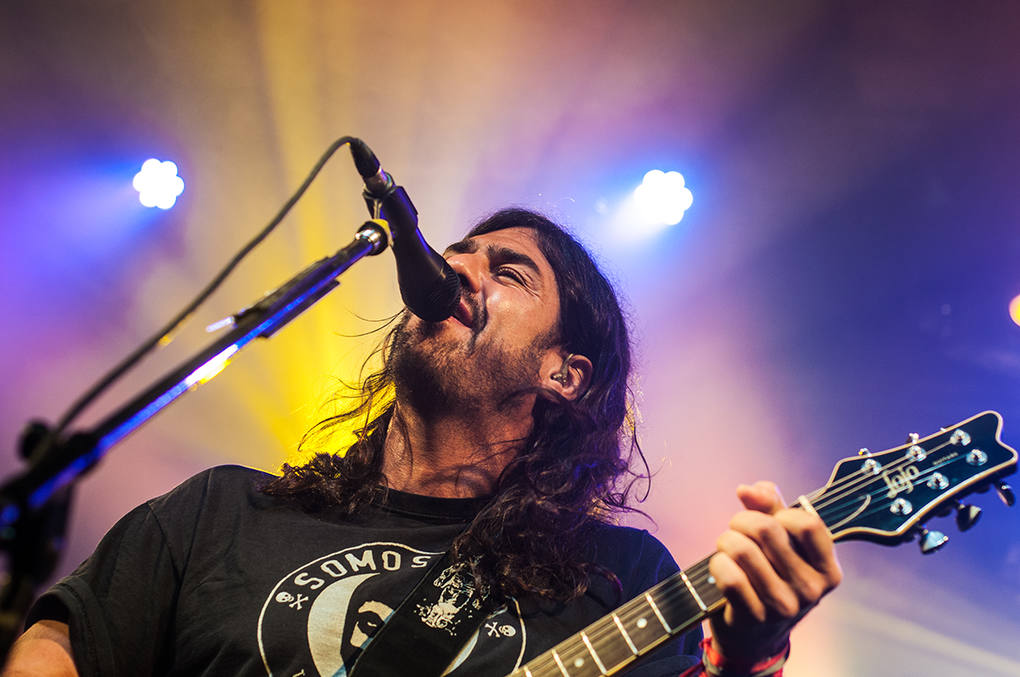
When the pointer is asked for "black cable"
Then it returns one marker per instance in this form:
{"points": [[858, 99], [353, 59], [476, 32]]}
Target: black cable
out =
{"points": [[132, 359]]}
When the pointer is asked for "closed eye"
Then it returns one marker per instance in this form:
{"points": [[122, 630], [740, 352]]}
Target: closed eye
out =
{"points": [[512, 273]]}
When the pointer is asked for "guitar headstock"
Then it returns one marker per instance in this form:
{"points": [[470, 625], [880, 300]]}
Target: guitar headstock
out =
{"points": [[884, 496]]}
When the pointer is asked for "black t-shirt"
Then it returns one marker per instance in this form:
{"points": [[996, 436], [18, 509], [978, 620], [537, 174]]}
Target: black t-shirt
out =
{"points": [[216, 578]]}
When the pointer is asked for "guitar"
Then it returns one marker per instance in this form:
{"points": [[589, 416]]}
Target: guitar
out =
{"points": [[881, 497]]}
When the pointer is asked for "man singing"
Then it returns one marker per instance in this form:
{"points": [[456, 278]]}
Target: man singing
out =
{"points": [[500, 436]]}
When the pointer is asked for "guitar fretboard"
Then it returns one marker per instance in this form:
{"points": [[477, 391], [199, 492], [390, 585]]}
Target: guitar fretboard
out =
{"points": [[670, 607], [878, 497]]}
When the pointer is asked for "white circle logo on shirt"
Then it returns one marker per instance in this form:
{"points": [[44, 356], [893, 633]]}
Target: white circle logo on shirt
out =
{"points": [[341, 599], [322, 612]]}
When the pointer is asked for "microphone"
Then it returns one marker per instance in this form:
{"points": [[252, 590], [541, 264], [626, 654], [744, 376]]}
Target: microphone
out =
{"points": [[428, 285]]}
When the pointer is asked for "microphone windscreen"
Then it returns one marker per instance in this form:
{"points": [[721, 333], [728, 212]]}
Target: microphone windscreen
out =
{"points": [[364, 159]]}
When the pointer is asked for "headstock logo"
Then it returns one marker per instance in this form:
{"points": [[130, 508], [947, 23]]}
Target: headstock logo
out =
{"points": [[900, 480]]}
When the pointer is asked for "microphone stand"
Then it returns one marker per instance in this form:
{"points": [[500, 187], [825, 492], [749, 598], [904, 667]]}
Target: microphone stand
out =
{"points": [[34, 504]]}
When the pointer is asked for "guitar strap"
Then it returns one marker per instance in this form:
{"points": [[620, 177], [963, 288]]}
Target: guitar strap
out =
{"points": [[424, 634]]}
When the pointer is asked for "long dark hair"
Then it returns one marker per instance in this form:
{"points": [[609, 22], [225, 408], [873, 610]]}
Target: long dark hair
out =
{"points": [[574, 469]]}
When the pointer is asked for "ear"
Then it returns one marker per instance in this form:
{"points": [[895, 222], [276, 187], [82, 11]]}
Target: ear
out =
{"points": [[566, 374]]}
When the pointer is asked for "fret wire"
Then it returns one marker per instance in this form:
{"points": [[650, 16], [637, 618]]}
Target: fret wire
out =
{"points": [[699, 574], [698, 578], [666, 589], [606, 629], [663, 637], [706, 582], [594, 655], [693, 583], [674, 594], [633, 649], [694, 593], [669, 591], [658, 614], [559, 663], [662, 589], [611, 629], [639, 611]]}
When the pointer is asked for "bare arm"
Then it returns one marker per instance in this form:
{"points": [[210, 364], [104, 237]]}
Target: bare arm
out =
{"points": [[44, 650]]}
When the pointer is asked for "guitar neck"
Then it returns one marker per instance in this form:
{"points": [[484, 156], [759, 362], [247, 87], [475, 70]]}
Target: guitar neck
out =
{"points": [[878, 497], [670, 607]]}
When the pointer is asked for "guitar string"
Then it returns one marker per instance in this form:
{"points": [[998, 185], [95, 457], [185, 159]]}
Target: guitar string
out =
{"points": [[702, 575], [883, 503], [629, 612], [905, 460], [844, 488], [847, 485], [854, 478], [699, 573], [664, 595], [836, 502], [671, 589], [665, 592]]}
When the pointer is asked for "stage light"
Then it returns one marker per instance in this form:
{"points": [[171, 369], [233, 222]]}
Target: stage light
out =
{"points": [[1014, 309], [662, 197], [158, 184]]}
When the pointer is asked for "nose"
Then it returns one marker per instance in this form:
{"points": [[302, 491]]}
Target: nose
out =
{"points": [[469, 268]]}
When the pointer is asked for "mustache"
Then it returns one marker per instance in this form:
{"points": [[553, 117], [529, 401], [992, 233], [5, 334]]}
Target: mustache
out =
{"points": [[479, 313]]}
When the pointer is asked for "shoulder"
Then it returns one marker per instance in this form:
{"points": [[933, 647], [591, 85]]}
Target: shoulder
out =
{"points": [[633, 541], [637, 557], [219, 477], [217, 485]]}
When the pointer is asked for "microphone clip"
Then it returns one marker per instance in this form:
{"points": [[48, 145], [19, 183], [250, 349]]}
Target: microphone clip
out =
{"points": [[392, 205]]}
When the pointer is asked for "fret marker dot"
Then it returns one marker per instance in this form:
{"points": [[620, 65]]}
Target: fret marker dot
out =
{"points": [[578, 662], [641, 622], [711, 579]]}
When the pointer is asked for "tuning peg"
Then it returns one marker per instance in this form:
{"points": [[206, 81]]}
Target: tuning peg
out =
{"points": [[966, 515], [912, 438], [1006, 494], [932, 541]]}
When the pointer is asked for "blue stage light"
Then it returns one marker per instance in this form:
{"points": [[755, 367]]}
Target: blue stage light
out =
{"points": [[158, 184], [662, 198]]}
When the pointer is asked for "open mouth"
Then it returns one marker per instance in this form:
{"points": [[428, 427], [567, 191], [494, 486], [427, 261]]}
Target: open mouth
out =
{"points": [[463, 314]]}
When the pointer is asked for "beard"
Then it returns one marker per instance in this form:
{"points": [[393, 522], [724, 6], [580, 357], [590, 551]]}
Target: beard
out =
{"points": [[438, 373]]}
